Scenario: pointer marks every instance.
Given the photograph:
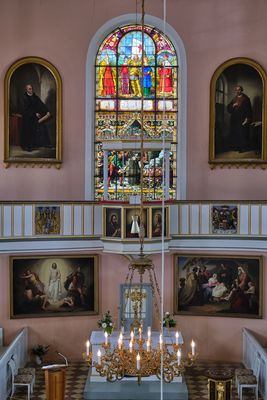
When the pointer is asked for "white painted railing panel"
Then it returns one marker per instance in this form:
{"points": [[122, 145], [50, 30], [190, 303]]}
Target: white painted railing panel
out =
{"points": [[97, 220], [243, 219], [264, 220], [18, 221], [205, 219], [67, 220], [7, 218], [19, 346], [88, 220], [174, 219], [194, 219], [252, 348], [255, 220], [28, 220], [184, 215], [78, 222]]}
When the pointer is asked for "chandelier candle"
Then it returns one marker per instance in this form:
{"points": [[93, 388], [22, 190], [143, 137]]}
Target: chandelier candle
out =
{"points": [[106, 338], [99, 357], [87, 344], [176, 338], [193, 345], [179, 354], [138, 361]]}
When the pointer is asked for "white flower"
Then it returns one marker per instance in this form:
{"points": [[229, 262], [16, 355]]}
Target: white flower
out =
{"points": [[104, 325], [167, 313], [110, 324]]}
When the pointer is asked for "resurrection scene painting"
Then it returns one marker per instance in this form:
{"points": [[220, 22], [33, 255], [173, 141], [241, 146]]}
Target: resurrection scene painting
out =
{"points": [[218, 286], [47, 286]]}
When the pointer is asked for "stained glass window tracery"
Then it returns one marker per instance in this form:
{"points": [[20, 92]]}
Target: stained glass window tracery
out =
{"points": [[119, 87]]}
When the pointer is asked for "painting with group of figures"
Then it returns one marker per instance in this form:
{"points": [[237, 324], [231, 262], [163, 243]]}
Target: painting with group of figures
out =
{"points": [[218, 285], [33, 107], [238, 114], [224, 219], [123, 88], [53, 286], [125, 223]]}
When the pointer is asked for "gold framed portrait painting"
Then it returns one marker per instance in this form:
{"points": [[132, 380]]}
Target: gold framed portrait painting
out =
{"points": [[33, 113], [238, 115]]}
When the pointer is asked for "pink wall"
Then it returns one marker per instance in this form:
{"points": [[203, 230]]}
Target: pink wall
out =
{"points": [[60, 31], [216, 338]]}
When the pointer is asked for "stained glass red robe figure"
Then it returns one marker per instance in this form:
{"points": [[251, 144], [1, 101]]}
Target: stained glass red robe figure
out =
{"points": [[106, 79], [165, 76], [124, 73]]}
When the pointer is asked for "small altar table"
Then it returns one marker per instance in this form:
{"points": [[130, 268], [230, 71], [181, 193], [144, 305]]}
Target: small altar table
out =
{"points": [[97, 387]]}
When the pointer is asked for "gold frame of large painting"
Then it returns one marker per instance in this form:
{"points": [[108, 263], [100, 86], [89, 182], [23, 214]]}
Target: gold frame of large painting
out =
{"points": [[33, 114], [238, 115]]}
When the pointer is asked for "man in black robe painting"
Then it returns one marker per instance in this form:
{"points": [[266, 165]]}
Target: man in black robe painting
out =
{"points": [[35, 114], [241, 117]]}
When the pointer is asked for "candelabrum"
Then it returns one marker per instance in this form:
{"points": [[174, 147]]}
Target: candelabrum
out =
{"points": [[139, 359]]}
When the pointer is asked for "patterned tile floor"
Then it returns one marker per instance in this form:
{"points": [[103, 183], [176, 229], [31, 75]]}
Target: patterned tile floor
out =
{"points": [[77, 373]]}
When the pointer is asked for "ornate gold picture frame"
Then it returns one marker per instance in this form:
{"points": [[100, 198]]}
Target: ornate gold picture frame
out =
{"points": [[33, 114], [219, 285], [53, 286], [238, 115]]}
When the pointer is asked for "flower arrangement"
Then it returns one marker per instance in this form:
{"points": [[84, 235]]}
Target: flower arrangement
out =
{"points": [[40, 350], [168, 320], [106, 323]]}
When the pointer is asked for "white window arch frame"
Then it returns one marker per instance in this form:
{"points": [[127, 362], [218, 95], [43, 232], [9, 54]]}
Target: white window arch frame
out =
{"points": [[93, 48]]}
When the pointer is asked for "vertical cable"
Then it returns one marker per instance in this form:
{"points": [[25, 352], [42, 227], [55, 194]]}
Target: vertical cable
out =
{"points": [[162, 209]]}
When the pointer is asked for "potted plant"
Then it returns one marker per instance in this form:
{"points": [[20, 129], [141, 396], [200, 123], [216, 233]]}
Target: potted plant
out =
{"points": [[168, 320], [106, 323], [39, 351]]}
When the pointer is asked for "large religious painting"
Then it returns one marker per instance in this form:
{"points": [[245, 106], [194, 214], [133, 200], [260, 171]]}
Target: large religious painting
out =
{"points": [[123, 88], [46, 286], [33, 113], [238, 114], [221, 286]]}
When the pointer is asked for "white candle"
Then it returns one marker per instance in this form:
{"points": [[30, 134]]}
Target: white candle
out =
{"points": [[132, 336], [149, 333], [138, 361], [87, 347], [193, 345], [179, 356], [119, 343], [160, 341], [131, 346], [176, 337], [140, 333], [121, 336], [106, 338], [148, 345], [99, 356]]}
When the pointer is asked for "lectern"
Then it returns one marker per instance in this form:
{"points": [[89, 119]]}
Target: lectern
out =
{"points": [[55, 380]]}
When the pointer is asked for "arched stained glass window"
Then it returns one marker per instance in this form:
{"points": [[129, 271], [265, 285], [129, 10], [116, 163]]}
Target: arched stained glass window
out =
{"points": [[118, 94]]}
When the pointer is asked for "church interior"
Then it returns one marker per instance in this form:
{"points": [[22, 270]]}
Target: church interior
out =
{"points": [[133, 196]]}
